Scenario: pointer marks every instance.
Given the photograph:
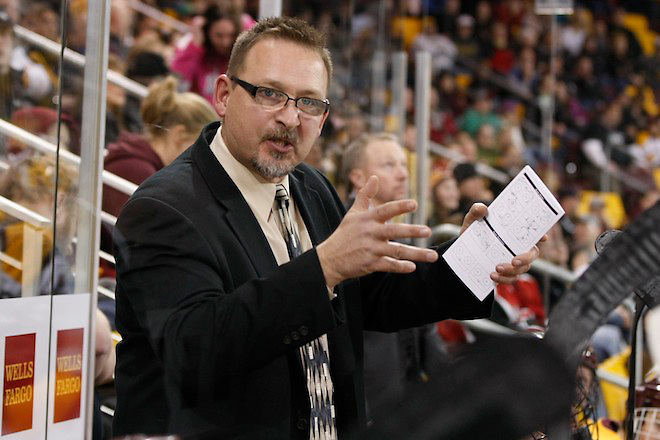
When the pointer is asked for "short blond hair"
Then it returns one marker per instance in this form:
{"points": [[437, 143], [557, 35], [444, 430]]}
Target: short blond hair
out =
{"points": [[282, 28]]}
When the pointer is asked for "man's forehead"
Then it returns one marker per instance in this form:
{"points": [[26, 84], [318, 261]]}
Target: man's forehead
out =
{"points": [[379, 147], [259, 57]]}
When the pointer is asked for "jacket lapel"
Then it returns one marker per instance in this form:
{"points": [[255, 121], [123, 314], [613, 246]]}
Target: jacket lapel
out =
{"points": [[310, 206], [238, 214]]}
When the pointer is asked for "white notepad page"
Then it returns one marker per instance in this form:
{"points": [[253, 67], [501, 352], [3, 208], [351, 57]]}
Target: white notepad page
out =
{"points": [[517, 219]]}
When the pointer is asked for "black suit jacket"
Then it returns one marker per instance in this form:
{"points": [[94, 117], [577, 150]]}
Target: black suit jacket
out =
{"points": [[211, 325]]}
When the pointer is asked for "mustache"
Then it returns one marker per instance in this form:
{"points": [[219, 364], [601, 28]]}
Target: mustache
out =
{"points": [[282, 135]]}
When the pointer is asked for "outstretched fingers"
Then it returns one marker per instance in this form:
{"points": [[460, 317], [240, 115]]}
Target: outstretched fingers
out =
{"points": [[387, 211], [398, 231], [404, 252], [366, 193]]}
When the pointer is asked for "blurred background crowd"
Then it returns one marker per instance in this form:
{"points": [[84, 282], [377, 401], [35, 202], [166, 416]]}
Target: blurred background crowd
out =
{"points": [[499, 75]]}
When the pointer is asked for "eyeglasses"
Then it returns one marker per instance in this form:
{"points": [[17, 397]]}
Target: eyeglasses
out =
{"points": [[275, 99]]}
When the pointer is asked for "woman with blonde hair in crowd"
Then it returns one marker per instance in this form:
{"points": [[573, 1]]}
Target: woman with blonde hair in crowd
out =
{"points": [[172, 122], [30, 182]]}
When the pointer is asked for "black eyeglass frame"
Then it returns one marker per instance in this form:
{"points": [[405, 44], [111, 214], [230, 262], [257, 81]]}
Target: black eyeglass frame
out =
{"points": [[252, 90]]}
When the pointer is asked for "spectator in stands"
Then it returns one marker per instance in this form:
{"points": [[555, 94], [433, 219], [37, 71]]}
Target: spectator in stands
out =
{"points": [[121, 23], [483, 18], [520, 305], [647, 154], [146, 68], [443, 125], [377, 154], [442, 49], [171, 123], [447, 17], [30, 182], [467, 146], [471, 186], [22, 81], [510, 13], [524, 71], [498, 50], [444, 198], [40, 17], [574, 33], [622, 62], [582, 251], [512, 127], [569, 199], [510, 161], [450, 95], [76, 30], [481, 112], [116, 118], [596, 45], [204, 54], [554, 249], [43, 122], [239, 5], [12, 8], [467, 43], [612, 337], [488, 147], [618, 25], [604, 144], [585, 82], [391, 360]]}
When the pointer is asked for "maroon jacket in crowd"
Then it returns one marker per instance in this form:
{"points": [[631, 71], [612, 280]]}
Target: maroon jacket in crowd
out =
{"points": [[132, 158]]}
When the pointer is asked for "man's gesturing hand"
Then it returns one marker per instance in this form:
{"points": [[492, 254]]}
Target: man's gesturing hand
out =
{"points": [[362, 242]]}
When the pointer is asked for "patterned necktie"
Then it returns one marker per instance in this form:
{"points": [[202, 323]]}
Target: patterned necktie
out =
{"points": [[314, 355]]}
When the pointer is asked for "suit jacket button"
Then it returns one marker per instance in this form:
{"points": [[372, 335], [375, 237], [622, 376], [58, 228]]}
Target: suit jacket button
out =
{"points": [[286, 340], [295, 335], [301, 424], [303, 330]]}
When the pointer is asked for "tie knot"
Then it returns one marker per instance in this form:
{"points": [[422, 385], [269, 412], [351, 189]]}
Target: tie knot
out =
{"points": [[280, 193]]}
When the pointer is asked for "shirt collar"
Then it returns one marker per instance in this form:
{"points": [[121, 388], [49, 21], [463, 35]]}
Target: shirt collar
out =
{"points": [[258, 194]]}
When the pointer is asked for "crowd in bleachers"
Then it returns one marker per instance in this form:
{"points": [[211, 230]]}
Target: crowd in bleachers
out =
{"points": [[494, 71]]}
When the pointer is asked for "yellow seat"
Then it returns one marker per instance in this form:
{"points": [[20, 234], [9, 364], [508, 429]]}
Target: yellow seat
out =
{"points": [[639, 25], [615, 213], [615, 396]]}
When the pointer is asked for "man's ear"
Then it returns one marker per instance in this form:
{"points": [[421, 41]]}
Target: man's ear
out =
{"points": [[221, 94], [323, 119], [358, 178]]}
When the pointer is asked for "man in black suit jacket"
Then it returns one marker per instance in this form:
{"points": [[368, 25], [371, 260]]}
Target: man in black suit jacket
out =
{"points": [[210, 323]]}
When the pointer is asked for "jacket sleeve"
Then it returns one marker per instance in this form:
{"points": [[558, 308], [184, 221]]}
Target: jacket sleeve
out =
{"points": [[431, 293], [177, 292]]}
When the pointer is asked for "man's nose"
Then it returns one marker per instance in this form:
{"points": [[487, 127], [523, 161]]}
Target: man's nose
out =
{"points": [[402, 172], [289, 115]]}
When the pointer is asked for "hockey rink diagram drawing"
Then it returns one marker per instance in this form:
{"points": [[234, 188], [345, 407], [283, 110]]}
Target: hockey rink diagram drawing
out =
{"points": [[516, 221]]}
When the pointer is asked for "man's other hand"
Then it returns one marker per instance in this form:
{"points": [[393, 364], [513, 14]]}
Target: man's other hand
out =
{"points": [[363, 244], [505, 273]]}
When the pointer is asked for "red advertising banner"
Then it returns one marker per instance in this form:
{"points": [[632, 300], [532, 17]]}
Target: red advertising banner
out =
{"points": [[68, 374], [18, 390]]}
